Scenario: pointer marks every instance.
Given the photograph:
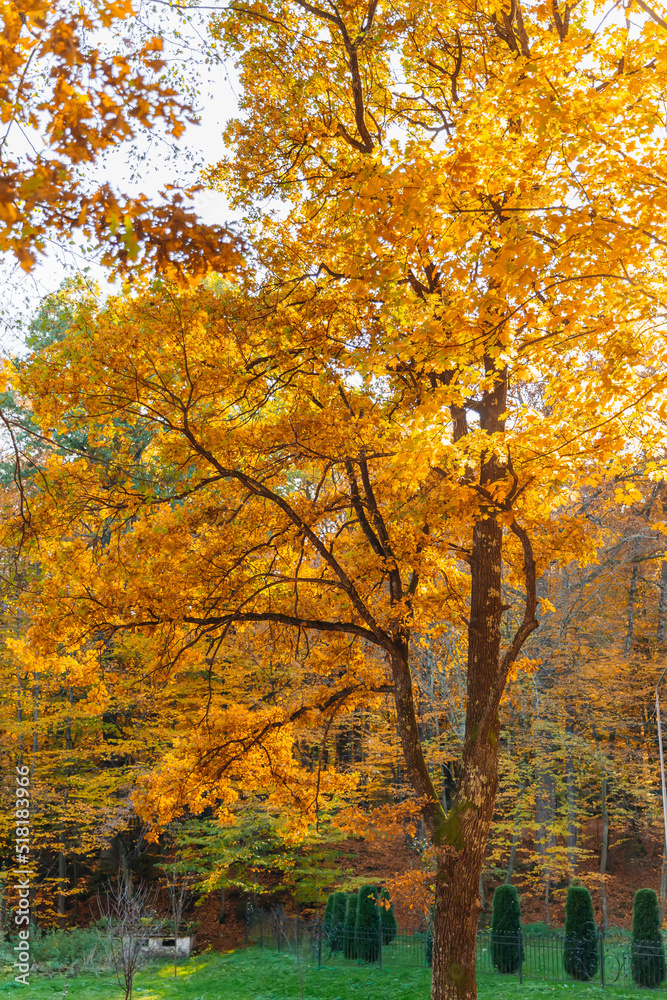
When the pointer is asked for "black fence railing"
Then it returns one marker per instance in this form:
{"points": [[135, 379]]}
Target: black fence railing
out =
{"points": [[602, 957]]}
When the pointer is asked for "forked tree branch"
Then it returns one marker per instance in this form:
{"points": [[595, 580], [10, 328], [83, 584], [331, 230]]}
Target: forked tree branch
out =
{"points": [[527, 626], [318, 624]]}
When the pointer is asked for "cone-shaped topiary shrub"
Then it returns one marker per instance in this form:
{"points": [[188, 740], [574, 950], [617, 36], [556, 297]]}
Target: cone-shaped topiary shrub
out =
{"points": [[349, 949], [368, 926], [327, 919], [338, 920], [506, 946], [387, 918], [648, 952], [580, 952]]}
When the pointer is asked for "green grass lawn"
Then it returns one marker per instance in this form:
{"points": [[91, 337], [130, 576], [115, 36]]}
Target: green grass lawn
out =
{"points": [[265, 975]]}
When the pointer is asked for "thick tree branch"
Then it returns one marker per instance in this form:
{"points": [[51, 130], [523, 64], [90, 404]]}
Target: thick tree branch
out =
{"points": [[261, 490], [651, 13], [358, 506], [527, 626], [318, 624]]}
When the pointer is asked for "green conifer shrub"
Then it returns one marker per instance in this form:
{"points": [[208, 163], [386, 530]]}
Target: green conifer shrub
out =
{"points": [[327, 919], [648, 952], [506, 946], [387, 918], [349, 949], [580, 952], [338, 920], [368, 926]]}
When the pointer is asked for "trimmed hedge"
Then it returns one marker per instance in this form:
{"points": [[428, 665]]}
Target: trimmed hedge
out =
{"points": [[506, 944], [327, 920], [648, 951], [349, 946], [368, 927], [338, 920], [387, 918], [580, 953]]}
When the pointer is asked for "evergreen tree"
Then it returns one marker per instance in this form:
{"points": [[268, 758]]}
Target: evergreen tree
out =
{"points": [[580, 954], [367, 928], [387, 918], [506, 946], [349, 949], [648, 951], [327, 920], [338, 920]]}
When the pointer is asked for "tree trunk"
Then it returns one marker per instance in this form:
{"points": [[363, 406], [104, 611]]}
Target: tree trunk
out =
{"points": [[62, 876], [545, 807], [460, 847], [124, 873], [662, 603], [75, 887], [604, 852], [663, 883], [516, 834], [482, 895], [571, 804], [460, 836], [3, 902], [631, 609], [511, 861]]}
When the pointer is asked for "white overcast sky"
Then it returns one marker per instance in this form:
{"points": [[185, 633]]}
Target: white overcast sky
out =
{"points": [[200, 144]]}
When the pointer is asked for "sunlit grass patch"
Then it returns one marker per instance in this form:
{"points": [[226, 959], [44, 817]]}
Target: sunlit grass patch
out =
{"points": [[266, 975]]}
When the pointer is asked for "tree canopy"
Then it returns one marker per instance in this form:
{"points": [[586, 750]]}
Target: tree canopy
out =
{"points": [[68, 96]]}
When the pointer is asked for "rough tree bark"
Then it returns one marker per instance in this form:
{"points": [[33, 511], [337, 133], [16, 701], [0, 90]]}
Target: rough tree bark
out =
{"points": [[511, 861], [545, 808], [516, 835], [461, 840], [571, 798], [604, 852], [62, 885], [631, 610], [662, 603]]}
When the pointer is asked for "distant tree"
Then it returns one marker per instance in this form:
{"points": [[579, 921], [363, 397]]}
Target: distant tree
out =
{"points": [[131, 920], [580, 955], [179, 883], [506, 946], [648, 950]]}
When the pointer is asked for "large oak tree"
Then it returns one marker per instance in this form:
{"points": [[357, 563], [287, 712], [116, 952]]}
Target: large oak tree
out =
{"points": [[454, 328]]}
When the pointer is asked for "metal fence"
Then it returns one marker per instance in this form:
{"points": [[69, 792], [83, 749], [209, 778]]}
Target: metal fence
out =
{"points": [[602, 957]]}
